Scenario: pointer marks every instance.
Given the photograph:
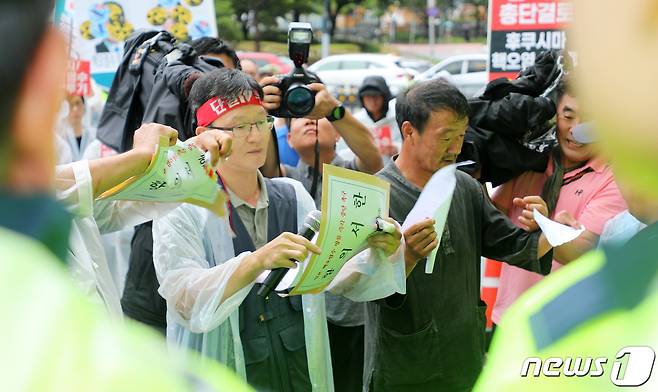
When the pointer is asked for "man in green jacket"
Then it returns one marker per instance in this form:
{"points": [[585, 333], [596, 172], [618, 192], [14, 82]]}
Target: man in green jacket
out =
{"points": [[51, 337]]}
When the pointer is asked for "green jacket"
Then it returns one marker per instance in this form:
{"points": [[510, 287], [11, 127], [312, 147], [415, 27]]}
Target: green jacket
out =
{"points": [[52, 339], [591, 308]]}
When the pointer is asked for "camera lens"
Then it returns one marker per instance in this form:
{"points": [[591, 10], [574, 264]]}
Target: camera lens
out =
{"points": [[300, 100]]}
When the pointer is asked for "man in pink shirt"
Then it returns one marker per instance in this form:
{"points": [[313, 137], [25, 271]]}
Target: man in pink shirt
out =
{"points": [[577, 181]]}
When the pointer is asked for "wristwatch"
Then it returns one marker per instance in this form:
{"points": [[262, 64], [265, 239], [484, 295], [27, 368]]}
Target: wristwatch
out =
{"points": [[337, 113]]}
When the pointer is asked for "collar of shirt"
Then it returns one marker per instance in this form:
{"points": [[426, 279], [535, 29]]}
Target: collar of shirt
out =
{"points": [[596, 164], [263, 198], [394, 170]]}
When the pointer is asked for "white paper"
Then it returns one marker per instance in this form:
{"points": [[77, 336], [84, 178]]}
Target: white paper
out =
{"points": [[556, 233], [434, 202]]}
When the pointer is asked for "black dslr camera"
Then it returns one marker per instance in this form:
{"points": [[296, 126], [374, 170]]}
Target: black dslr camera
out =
{"points": [[297, 100]]}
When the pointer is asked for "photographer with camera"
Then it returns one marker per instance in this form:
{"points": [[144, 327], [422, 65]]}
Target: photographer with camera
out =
{"points": [[317, 122]]}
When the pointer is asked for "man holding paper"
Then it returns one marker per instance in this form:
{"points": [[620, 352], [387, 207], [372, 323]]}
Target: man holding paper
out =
{"points": [[432, 338], [79, 183], [576, 180], [209, 268]]}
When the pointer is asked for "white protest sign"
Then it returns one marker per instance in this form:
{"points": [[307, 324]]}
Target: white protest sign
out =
{"points": [[178, 173]]}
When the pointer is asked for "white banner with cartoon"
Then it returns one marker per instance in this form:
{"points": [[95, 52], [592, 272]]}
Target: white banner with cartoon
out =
{"points": [[101, 27]]}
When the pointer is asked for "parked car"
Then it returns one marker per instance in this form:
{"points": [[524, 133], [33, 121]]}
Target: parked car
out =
{"points": [[418, 65], [467, 72], [283, 64], [349, 70]]}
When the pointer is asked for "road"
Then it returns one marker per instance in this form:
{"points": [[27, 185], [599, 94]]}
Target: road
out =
{"points": [[441, 51]]}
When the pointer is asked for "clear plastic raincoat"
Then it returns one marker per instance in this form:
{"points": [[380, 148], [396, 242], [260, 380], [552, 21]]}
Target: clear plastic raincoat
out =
{"points": [[87, 260], [194, 258]]}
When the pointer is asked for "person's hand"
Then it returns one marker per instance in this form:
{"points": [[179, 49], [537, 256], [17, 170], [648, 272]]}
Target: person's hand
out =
{"points": [[147, 137], [279, 252], [420, 239], [272, 93], [324, 102], [566, 218], [530, 203], [387, 242], [215, 141]]}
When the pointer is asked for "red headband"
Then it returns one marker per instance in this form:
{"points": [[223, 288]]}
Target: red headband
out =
{"points": [[215, 108]]}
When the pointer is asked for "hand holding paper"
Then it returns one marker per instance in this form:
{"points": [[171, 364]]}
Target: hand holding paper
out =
{"points": [[216, 143], [556, 233], [434, 202], [351, 204], [529, 204], [420, 240], [176, 174], [386, 239]]}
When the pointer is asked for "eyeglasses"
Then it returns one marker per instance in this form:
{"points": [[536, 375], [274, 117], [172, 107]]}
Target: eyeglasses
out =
{"points": [[243, 130]]}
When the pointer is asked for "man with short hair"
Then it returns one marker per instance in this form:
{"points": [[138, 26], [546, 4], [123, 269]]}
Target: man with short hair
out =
{"points": [[432, 338], [209, 268], [576, 180]]}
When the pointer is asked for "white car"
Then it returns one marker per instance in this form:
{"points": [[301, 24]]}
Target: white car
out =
{"points": [[348, 70], [467, 72]]}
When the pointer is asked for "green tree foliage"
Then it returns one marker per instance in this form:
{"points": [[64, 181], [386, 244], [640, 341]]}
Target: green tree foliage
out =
{"points": [[232, 15]]}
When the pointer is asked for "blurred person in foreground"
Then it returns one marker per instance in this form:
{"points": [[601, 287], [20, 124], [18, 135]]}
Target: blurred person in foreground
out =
{"points": [[211, 269], [314, 139], [45, 317], [612, 293]]}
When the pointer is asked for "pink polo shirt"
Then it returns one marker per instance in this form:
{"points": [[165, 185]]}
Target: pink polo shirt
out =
{"points": [[592, 198]]}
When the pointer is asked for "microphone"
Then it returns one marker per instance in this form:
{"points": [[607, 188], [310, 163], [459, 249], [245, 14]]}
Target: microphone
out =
{"points": [[311, 226]]}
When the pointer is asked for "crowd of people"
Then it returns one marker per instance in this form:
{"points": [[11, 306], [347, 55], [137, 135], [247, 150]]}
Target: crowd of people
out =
{"points": [[93, 288]]}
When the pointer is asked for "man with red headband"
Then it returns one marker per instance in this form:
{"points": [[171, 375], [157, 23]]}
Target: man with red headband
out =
{"points": [[208, 268]]}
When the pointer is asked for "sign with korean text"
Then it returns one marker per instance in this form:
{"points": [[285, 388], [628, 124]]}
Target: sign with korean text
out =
{"points": [[78, 78], [351, 204], [520, 29], [179, 173]]}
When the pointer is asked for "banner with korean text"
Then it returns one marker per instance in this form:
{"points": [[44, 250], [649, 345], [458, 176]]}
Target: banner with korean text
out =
{"points": [[520, 29]]}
